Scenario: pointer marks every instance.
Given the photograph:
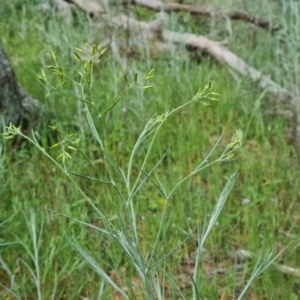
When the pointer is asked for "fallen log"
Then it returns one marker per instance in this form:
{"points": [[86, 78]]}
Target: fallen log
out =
{"points": [[222, 54], [216, 49], [157, 5]]}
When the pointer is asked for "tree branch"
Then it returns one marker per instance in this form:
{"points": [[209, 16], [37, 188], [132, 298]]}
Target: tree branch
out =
{"points": [[157, 5]]}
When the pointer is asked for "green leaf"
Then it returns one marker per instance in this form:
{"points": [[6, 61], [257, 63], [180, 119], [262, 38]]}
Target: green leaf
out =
{"points": [[72, 148], [95, 48], [77, 57], [61, 156], [210, 86], [43, 81], [78, 49], [43, 73], [67, 154], [102, 53], [53, 127], [77, 142], [148, 74], [54, 146], [9, 137], [53, 55]]}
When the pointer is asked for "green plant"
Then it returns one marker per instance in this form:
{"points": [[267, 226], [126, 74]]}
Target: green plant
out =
{"points": [[32, 271], [151, 266]]}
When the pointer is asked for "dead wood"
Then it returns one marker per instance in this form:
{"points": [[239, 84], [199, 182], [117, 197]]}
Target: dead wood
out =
{"points": [[64, 10], [152, 30], [92, 7], [157, 5], [237, 15], [15, 103], [244, 255], [288, 270], [222, 54], [216, 49], [141, 33]]}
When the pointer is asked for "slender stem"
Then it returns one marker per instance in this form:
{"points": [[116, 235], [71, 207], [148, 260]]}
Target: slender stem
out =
{"points": [[70, 96], [190, 175], [64, 171]]}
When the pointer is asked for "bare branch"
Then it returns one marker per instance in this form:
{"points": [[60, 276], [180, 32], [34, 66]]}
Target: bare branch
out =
{"points": [[157, 5]]}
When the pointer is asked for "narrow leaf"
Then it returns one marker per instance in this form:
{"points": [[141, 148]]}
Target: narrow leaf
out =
{"points": [[77, 56], [95, 48], [102, 53], [53, 55]]}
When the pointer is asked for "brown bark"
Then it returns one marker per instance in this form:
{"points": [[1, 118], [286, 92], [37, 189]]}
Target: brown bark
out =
{"points": [[15, 103]]}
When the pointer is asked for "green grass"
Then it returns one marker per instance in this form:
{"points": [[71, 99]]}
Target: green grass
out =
{"points": [[268, 172]]}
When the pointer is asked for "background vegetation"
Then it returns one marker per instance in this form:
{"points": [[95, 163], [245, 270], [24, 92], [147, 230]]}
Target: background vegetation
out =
{"points": [[263, 207]]}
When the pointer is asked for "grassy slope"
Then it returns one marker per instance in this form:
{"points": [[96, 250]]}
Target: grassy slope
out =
{"points": [[268, 172]]}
